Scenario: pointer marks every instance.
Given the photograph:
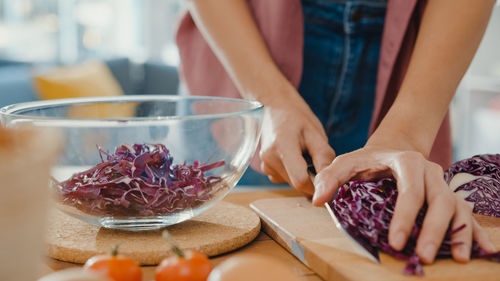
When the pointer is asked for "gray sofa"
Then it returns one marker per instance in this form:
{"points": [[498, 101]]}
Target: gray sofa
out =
{"points": [[149, 78]]}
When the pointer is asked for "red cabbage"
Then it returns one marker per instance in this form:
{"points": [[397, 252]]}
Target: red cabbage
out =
{"points": [[139, 180], [367, 207], [478, 165], [483, 192]]}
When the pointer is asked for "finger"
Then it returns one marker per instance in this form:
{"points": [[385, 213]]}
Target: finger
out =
{"points": [[482, 238], [441, 207], [375, 174], [341, 170], [408, 171], [271, 164], [296, 168], [276, 179], [319, 150], [462, 239], [271, 173]]}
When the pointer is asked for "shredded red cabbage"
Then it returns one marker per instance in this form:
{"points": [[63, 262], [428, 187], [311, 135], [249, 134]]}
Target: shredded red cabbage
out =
{"points": [[367, 207], [139, 180], [483, 192], [478, 165]]}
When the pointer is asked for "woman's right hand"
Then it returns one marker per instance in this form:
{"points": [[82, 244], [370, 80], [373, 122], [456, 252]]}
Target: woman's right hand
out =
{"points": [[289, 130]]}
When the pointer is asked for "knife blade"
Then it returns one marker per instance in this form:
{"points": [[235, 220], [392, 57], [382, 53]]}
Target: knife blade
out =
{"points": [[366, 248]]}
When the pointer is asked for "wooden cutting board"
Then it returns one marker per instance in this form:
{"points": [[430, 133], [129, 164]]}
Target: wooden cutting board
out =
{"points": [[223, 228], [309, 233]]}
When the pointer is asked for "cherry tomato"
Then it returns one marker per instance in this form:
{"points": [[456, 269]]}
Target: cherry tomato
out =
{"points": [[185, 266], [114, 266]]}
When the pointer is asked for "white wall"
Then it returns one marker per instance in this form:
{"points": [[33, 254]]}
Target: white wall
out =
{"points": [[487, 59], [475, 123]]}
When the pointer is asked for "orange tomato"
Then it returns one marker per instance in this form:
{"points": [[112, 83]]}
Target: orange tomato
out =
{"points": [[116, 267], [189, 266]]}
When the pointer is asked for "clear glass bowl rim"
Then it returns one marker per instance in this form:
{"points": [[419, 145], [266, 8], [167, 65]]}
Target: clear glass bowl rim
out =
{"points": [[9, 111]]}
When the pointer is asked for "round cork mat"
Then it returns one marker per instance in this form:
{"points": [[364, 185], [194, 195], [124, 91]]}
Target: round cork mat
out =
{"points": [[223, 228]]}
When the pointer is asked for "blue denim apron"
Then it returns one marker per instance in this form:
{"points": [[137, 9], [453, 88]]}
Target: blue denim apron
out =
{"points": [[341, 52]]}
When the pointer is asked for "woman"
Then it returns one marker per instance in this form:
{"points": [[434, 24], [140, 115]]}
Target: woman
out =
{"points": [[259, 48]]}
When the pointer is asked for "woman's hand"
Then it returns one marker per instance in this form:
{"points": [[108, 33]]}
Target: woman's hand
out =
{"points": [[418, 180], [290, 128]]}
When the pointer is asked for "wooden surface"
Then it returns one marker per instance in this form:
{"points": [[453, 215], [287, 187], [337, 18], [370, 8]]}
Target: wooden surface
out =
{"points": [[263, 244], [223, 228], [310, 234]]}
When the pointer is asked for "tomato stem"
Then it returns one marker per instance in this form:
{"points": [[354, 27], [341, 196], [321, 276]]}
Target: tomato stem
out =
{"points": [[172, 242]]}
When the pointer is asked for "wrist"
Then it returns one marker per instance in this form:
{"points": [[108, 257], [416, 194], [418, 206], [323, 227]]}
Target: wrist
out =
{"points": [[395, 140], [268, 86], [406, 129]]}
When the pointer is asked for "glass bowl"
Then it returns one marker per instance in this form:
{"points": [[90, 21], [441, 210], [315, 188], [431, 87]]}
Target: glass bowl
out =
{"points": [[144, 162]]}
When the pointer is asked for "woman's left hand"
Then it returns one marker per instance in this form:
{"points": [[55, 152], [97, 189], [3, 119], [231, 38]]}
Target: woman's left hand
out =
{"points": [[418, 180], [410, 128]]}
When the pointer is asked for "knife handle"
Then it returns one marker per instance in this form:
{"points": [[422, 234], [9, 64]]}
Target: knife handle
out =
{"points": [[310, 167]]}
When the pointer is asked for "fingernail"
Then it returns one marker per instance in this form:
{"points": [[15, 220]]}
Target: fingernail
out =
{"points": [[315, 196], [463, 252], [318, 189], [428, 253], [316, 181], [399, 240]]}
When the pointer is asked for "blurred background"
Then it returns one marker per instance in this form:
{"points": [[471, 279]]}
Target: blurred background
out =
{"points": [[135, 40], [131, 39], [66, 31]]}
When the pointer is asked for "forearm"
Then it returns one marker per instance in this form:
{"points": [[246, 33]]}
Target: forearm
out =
{"points": [[236, 41], [449, 35]]}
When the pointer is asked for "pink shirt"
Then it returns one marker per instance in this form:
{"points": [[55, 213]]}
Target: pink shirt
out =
{"points": [[282, 27]]}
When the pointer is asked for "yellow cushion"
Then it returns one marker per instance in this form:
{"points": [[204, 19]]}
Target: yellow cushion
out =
{"points": [[83, 80], [88, 79]]}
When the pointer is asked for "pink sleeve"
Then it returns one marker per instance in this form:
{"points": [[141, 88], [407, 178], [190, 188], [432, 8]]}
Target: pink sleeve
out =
{"points": [[282, 27]]}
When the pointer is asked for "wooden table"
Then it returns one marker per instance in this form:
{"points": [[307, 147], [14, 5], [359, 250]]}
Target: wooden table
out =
{"points": [[263, 244]]}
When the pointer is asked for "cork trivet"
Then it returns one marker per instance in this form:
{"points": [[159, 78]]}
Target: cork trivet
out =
{"points": [[223, 228]]}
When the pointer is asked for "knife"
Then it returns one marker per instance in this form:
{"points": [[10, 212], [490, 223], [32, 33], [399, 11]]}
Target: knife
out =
{"points": [[366, 248]]}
